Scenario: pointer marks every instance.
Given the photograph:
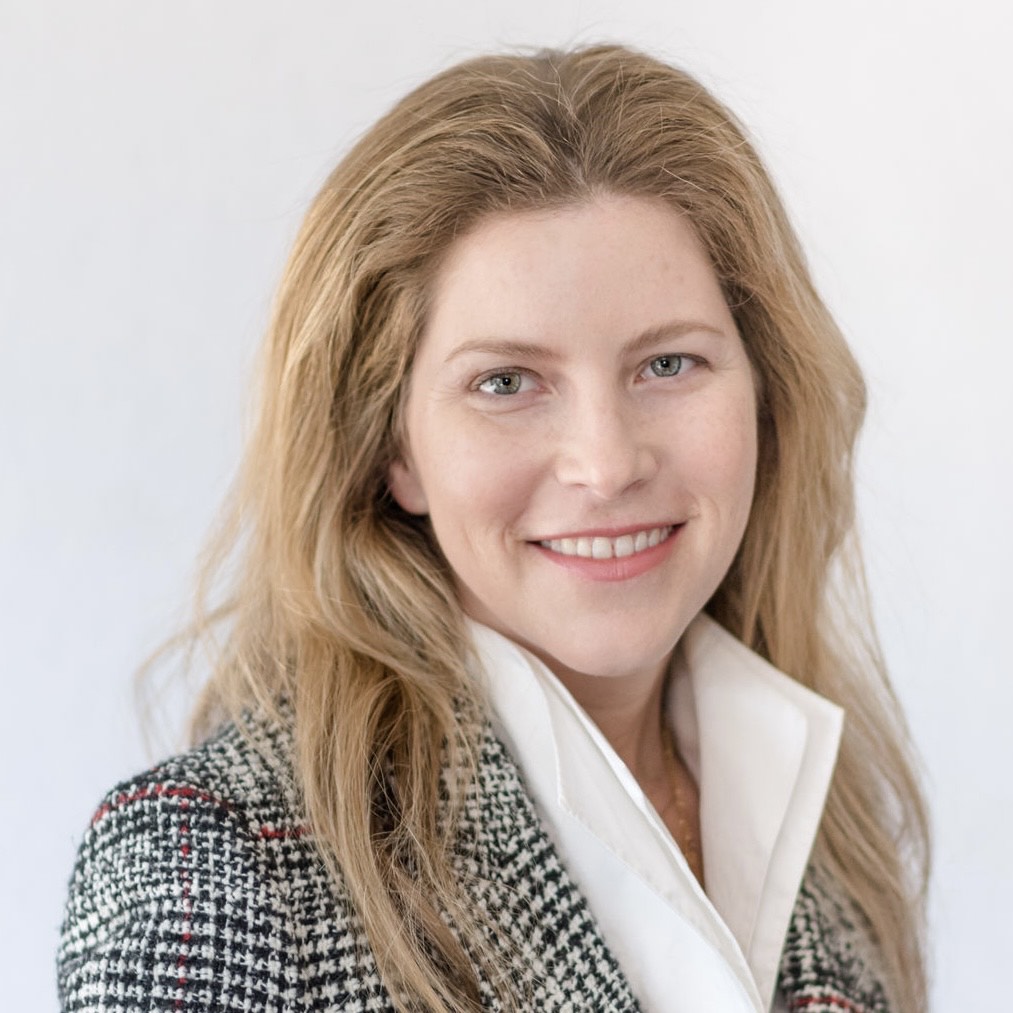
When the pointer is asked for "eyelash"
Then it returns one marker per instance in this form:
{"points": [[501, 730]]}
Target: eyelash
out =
{"points": [[684, 362]]}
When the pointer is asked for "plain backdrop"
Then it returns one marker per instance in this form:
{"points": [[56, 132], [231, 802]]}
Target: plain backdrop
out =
{"points": [[155, 159]]}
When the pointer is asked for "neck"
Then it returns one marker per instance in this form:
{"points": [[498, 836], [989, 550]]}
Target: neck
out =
{"points": [[628, 711]]}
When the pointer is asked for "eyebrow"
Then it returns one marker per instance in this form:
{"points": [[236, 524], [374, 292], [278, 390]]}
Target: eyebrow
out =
{"points": [[531, 350]]}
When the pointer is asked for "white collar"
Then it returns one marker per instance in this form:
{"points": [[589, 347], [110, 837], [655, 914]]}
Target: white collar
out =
{"points": [[762, 748]]}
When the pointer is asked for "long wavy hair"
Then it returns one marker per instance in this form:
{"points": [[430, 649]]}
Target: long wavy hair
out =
{"points": [[339, 612]]}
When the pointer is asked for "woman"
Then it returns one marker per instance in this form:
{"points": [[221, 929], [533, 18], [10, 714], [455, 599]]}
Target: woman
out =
{"points": [[552, 473]]}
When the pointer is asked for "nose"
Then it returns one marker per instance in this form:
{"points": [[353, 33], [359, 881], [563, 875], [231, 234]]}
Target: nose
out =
{"points": [[605, 447]]}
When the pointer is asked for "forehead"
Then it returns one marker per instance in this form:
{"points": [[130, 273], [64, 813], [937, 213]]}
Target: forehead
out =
{"points": [[614, 264]]}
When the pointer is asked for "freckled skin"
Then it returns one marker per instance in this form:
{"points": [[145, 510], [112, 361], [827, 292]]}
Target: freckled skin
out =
{"points": [[587, 437]]}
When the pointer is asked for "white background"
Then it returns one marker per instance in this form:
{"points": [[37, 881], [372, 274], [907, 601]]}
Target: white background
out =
{"points": [[155, 159]]}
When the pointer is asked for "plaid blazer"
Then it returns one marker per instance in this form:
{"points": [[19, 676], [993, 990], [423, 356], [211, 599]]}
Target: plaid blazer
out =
{"points": [[197, 888]]}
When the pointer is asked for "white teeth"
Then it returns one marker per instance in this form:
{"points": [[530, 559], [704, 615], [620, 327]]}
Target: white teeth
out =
{"points": [[608, 548], [624, 546]]}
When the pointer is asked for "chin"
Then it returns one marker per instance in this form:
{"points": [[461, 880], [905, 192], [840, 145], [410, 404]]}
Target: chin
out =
{"points": [[607, 658]]}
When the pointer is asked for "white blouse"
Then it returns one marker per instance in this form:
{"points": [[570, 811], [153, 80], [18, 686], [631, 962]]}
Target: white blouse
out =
{"points": [[762, 749]]}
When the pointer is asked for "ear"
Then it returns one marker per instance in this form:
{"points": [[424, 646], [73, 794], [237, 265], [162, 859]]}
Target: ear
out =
{"points": [[405, 487]]}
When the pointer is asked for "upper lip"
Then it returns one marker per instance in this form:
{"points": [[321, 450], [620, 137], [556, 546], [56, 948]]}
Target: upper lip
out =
{"points": [[609, 532]]}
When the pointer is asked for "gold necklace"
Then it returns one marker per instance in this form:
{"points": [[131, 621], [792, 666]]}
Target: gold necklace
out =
{"points": [[687, 806]]}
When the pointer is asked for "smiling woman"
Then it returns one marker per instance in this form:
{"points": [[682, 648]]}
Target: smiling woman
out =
{"points": [[595, 445], [547, 614]]}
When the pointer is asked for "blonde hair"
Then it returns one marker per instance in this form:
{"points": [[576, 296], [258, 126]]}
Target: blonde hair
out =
{"points": [[342, 606]]}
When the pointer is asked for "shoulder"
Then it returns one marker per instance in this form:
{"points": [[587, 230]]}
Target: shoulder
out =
{"points": [[241, 779], [198, 886], [196, 883]]}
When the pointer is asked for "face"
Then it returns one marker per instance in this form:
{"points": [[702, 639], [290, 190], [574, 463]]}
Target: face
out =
{"points": [[581, 431]]}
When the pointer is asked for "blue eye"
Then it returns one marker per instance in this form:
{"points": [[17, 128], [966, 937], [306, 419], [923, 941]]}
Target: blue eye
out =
{"points": [[502, 383], [668, 365]]}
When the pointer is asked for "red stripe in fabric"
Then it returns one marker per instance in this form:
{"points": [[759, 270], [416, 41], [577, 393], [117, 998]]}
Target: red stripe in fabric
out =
{"points": [[272, 833], [187, 902], [156, 791], [837, 1001]]}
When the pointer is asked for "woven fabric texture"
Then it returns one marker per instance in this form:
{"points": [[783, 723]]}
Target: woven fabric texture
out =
{"points": [[198, 888]]}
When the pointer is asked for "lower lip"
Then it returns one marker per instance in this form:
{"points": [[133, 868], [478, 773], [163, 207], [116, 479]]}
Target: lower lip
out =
{"points": [[610, 570]]}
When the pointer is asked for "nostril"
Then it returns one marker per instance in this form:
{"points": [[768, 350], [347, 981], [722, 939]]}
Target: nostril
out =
{"points": [[607, 456]]}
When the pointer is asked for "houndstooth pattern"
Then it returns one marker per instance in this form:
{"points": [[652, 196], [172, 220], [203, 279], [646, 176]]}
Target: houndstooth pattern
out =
{"points": [[828, 964], [197, 888]]}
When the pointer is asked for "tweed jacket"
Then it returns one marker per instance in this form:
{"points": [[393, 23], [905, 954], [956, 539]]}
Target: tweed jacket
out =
{"points": [[197, 888]]}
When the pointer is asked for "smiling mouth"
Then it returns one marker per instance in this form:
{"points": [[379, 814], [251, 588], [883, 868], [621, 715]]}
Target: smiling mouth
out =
{"points": [[599, 547]]}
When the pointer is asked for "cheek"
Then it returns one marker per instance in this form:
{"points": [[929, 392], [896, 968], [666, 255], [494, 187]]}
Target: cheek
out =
{"points": [[725, 455], [743, 436], [479, 483]]}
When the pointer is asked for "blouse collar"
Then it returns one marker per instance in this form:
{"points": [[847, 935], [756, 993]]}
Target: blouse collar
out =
{"points": [[762, 748]]}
